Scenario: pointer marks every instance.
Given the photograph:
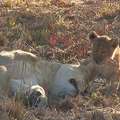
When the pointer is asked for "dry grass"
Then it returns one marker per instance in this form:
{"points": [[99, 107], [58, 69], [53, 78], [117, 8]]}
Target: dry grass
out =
{"points": [[12, 108], [30, 24], [72, 108], [109, 8]]}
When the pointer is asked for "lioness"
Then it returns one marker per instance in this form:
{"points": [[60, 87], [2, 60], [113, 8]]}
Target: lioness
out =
{"points": [[28, 67]]}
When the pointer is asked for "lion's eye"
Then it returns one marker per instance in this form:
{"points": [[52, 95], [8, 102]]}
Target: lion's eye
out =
{"points": [[74, 83]]}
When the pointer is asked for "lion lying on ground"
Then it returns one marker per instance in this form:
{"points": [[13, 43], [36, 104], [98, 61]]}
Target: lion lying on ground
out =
{"points": [[30, 69]]}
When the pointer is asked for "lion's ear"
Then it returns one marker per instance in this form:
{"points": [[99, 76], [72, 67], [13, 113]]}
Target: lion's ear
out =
{"points": [[114, 43], [93, 35]]}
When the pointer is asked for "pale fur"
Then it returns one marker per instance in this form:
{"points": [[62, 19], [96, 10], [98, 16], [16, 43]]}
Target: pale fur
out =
{"points": [[26, 66], [4, 78], [116, 55]]}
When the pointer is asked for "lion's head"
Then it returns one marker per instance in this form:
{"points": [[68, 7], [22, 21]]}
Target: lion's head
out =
{"points": [[102, 47]]}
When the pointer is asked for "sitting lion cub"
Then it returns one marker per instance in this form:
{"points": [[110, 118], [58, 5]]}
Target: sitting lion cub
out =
{"points": [[106, 55]]}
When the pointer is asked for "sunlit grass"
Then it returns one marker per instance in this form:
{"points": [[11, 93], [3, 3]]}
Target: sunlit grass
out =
{"points": [[108, 8]]}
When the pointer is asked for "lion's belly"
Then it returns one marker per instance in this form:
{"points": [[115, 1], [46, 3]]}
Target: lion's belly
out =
{"points": [[20, 70]]}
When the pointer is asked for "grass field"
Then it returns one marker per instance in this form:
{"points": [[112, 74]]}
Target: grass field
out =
{"points": [[58, 30]]}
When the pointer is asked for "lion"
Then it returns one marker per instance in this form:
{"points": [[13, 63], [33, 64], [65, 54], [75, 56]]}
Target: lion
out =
{"points": [[106, 57], [28, 67]]}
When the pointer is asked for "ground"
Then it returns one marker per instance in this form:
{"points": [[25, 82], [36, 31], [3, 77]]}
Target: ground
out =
{"points": [[58, 30]]}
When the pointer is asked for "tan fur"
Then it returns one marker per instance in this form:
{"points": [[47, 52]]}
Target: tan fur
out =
{"points": [[103, 49]]}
